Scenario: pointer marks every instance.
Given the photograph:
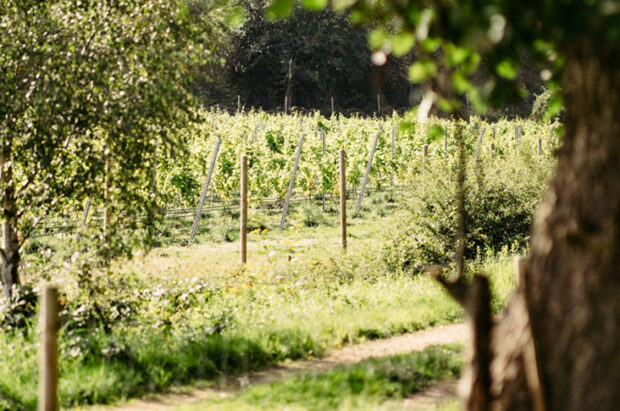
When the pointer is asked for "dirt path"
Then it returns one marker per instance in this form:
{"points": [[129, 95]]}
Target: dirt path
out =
{"points": [[401, 344]]}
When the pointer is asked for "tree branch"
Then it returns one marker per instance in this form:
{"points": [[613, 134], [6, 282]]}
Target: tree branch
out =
{"points": [[3, 256]]}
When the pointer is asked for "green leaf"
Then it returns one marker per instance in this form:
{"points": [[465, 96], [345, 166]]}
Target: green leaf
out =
{"points": [[460, 82], [434, 133], [507, 69], [279, 9], [446, 105], [421, 71], [456, 55], [376, 39], [315, 4], [431, 45], [555, 106], [402, 43]]}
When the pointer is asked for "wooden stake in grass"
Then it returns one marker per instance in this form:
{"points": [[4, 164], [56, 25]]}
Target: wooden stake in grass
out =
{"points": [[539, 146], [516, 137], [343, 200], [392, 170], [425, 152], [204, 190], [292, 181], [492, 149], [243, 229], [48, 362], [365, 180], [479, 143], [323, 155], [84, 219]]}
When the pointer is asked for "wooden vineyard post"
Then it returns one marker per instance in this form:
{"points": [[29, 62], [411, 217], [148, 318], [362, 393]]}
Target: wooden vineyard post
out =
{"points": [[539, 147], [492, 149], [154, 171], [365, 180], [84, 219], [48, 351], [288, 86], [204, 190], [322, 156], [516, 137], [343, 200], [479, 143], [292, 181], [425, 152], [392, 157], [243, 229], [106, 197]]}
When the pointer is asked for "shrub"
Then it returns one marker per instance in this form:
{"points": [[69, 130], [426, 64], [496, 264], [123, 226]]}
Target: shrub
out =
{"points": [[500, 204]]}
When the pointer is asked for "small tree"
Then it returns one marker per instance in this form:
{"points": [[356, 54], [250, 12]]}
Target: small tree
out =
{"points": [[86, 90]]}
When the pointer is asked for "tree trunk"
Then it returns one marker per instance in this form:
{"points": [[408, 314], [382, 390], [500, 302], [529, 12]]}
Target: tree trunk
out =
{"points": [[10, 244], [570, 299]]}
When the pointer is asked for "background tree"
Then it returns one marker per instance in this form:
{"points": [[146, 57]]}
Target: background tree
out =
{"points": [[328, 58], [556, 346], [87, 89]]}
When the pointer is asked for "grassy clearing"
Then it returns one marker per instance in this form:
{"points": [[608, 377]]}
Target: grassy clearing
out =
{"points": [[185, 314], [366, 385]]}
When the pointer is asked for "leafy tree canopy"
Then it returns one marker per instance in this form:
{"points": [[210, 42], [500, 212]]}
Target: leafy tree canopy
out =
{"points": [[455, 38]]}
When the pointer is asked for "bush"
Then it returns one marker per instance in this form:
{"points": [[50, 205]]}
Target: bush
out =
{"points": [[500, 205]]}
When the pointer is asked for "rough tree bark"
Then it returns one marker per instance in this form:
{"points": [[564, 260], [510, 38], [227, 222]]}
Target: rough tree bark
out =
{"points": [[569, 303]]}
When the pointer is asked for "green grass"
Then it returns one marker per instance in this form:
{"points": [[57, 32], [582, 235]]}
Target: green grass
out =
{"points": [[181, 315], [361, 386]]}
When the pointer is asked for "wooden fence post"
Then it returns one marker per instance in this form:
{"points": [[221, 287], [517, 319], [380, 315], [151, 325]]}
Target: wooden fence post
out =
{"points": [[425, 152], [492, 149], [48, 365], [539, 146], [365, 180], [343, 200], [243, 229], [84, 219], [322, 156], [394, 128], [154, 171], [204, 190], [516, 137], [292, 181], [479, 143]]}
